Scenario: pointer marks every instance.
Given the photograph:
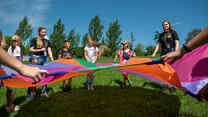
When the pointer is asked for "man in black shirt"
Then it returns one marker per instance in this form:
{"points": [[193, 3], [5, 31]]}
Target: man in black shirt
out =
{"points": [[66, 53]]}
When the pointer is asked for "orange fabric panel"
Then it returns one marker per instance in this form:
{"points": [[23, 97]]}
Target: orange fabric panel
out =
{"points": [[68, 61]]}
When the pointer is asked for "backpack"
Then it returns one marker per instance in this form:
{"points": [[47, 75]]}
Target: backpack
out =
{"points": [[125, 55]]}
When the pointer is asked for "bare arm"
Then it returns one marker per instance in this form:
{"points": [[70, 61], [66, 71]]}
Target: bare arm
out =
{"points": [[36, 50], [176, 44], [50, 54], [200, 39], [156, 49], [7, 60], [96, 56], [86, 56], [116, 57]]}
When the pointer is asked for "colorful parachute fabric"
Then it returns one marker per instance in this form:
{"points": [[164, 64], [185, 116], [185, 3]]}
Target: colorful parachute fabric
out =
{"points": [[69, 68], [192, 69]]}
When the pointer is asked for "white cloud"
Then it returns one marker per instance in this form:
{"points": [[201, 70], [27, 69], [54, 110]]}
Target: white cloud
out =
{"points": [[13, 11]]}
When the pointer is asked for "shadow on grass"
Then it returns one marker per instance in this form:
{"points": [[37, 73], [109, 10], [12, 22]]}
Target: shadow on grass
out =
{"points": [[104, 102], [17, 101]]}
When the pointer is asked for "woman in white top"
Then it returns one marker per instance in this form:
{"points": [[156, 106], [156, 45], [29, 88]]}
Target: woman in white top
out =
{"points": [[14, 49], [91, 55]]}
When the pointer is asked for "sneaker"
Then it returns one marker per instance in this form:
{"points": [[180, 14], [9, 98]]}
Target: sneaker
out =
{"points": [[45, 94], [92, 88], [29, 98], [123, 85], [64, 89], [164, 89], [16, 108], [172, 90]]}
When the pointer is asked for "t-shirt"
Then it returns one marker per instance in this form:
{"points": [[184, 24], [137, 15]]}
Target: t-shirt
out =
{"points": [[167, 39], [121, 53], [91, 51], [16, 52], [46, 44], [65, 52]]}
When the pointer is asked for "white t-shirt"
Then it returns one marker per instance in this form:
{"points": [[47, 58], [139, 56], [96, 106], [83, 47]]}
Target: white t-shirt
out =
{"points": [[16, 52], [91, 51]]}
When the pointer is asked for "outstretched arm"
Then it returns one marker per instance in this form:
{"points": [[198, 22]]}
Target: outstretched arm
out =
{"points": [[12, 62], [200, 39], [156, 50]]}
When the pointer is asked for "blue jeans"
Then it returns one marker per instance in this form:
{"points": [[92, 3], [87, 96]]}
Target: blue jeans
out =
{"points": [[41, 61]]}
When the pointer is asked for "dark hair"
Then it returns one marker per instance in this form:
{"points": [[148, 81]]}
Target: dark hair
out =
{"points": [[65, 41], [39, 30], [170, 27]]}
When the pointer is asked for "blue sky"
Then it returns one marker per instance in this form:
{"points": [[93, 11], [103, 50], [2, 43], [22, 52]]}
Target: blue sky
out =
{"points": [[142, 17]]}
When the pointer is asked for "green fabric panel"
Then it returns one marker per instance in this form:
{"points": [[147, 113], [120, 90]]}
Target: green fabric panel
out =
{"points": [[85, 63]]}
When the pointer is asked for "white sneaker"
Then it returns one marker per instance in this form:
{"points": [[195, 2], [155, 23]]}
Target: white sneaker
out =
{"points": [[45, 94]]}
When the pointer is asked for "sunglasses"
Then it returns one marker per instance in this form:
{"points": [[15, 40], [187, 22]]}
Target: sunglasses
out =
{"points": [[14, 40]]}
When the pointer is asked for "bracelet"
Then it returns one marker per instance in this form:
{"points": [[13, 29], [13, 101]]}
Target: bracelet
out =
{"points": [[186, 48]]}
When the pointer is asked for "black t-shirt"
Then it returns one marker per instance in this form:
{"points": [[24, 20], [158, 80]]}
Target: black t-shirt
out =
{"points": [[46, 44], [65, 52], [167, 40]]}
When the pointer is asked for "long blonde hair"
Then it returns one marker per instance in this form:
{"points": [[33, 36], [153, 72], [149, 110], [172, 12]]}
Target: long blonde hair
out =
{"points": [[94, 43], [39, 40]]}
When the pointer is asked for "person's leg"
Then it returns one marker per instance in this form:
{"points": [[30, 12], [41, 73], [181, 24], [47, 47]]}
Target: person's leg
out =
{"points": [[42, 61], [88, 81], [69, 84], [91, 81], [125, 77], [10, 99], [34, 91]]}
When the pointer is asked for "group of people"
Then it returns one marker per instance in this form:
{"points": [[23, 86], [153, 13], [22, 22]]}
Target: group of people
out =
{"points": [[41, 47]]}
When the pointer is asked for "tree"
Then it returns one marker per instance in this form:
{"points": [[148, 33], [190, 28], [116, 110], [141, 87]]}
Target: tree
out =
{"points": [[157, 35], [149, 50], [57, 37], [95, 29], [192, 34], [24, 31], [73, 39], [8, 42], [139, 50], [84, 40], [113, 37]]}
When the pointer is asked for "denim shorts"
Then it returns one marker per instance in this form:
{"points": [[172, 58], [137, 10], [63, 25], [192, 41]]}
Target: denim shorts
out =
{"points": [[42, 60]]}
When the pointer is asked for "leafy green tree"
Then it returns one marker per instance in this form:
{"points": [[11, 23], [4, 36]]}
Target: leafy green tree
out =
{"points": [[157, 35], [73, 39], [95, 29], [139, 50], [8, 42], [113, 39], [84, 40], [192, 34], [24, 31], [57, 37], [149, 50]]}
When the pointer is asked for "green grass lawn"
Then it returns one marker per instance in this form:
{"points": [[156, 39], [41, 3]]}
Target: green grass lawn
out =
{"points": [[108, 100]]}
